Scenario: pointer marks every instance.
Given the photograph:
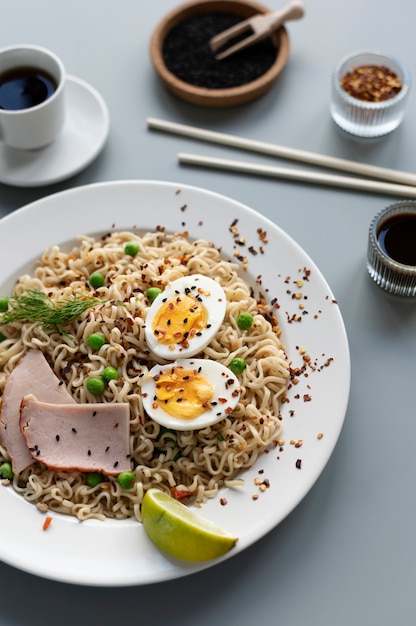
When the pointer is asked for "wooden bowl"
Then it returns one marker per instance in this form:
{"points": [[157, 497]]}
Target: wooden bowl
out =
{"points": [[213, 97]]}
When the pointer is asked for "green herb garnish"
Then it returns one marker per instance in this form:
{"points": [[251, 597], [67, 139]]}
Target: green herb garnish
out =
{"points": [[35, 306]]}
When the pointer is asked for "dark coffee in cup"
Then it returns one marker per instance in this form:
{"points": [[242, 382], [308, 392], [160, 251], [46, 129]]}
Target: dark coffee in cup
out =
{"points": [[32, 97], [25, 87]]}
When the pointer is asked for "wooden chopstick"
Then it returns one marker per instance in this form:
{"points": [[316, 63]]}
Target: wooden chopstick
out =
{"points": [[306, 176], [362, 169]]}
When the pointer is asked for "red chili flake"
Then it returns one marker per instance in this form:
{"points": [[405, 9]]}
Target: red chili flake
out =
{"points": [[178, 494], [47, 522], [223, 501], [372, 83]]}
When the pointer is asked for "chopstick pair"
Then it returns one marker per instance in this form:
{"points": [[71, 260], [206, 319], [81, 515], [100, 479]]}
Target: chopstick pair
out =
{"points": [[402, 184]]}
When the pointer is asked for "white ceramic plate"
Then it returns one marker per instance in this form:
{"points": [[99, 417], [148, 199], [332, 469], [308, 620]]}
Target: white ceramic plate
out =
{"points": [[119, 552]]}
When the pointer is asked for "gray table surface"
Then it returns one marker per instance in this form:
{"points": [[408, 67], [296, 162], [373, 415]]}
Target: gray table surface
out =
{"points": [[346, 555]]}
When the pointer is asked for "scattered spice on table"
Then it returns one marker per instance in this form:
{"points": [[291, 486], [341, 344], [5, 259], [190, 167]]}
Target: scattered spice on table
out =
{"points": [[187, 54], [372, 83]]}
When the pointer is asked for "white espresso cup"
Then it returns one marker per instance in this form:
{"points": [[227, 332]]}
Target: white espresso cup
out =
{"points": [[32, 102]]}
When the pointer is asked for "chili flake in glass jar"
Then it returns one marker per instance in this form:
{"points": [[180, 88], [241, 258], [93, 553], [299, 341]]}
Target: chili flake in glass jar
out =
{"points": [[369, 92]]}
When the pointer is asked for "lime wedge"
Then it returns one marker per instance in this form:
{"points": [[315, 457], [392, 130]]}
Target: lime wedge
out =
{"points": [[180, 532]]}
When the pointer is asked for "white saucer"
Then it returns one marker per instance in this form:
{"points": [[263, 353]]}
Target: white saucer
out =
{"points": [[81, 140]]}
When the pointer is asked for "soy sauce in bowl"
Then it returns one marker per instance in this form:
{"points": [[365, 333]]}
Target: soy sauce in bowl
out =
{"points": [[391, 250], [397, 238]]}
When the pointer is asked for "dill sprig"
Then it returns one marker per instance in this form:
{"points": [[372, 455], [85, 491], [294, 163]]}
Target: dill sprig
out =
{"points": [[35, 306]]}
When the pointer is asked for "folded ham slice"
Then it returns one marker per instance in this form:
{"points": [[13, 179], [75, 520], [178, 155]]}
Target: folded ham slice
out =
{"points": [[31, 375], [86, 437]]}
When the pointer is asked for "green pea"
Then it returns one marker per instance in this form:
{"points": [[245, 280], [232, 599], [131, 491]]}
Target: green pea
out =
{"points": [[245, 321], [96, 280], [152, 293], [4, 304], [237, 365], [6, 471], [126, 480], [93, 479], [96, 341], [95, 386], [131, 248], [109, 373]]}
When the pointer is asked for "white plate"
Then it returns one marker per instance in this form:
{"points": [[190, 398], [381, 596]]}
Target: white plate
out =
{"points": [[118, 552], [81, 140]]}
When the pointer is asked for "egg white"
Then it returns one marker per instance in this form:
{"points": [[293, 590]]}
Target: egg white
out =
{"points": [[225, 386], [210, 294]]}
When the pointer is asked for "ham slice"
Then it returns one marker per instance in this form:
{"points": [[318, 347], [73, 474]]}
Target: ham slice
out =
{"points": [[31, 375], [85, 437]]}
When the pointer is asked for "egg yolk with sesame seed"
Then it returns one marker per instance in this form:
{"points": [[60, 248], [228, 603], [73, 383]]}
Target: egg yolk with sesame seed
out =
{"points": [[183, 393], [179, 319]]}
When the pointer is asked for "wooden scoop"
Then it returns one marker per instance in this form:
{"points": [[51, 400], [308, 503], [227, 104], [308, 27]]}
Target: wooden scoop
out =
{"points": [[260, 27]]}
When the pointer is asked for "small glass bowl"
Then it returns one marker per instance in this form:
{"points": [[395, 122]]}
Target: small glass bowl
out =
{"points": [[360, 117], [391, 252]]}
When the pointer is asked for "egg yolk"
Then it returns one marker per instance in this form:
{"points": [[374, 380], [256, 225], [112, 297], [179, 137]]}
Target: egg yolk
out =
{"points": [[183, 393], [178, 320]]}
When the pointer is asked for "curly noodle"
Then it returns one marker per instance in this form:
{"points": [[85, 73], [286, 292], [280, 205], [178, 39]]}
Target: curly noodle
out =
{"points": [[191, 462]]}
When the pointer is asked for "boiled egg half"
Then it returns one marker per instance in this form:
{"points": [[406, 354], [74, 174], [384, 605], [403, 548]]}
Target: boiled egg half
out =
{"points": [[190, 394], [184, 318]]}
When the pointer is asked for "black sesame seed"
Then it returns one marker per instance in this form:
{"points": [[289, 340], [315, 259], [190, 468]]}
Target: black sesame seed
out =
{"points": [[89, 452], [74, 430], [57, 437], [115, 464]]}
